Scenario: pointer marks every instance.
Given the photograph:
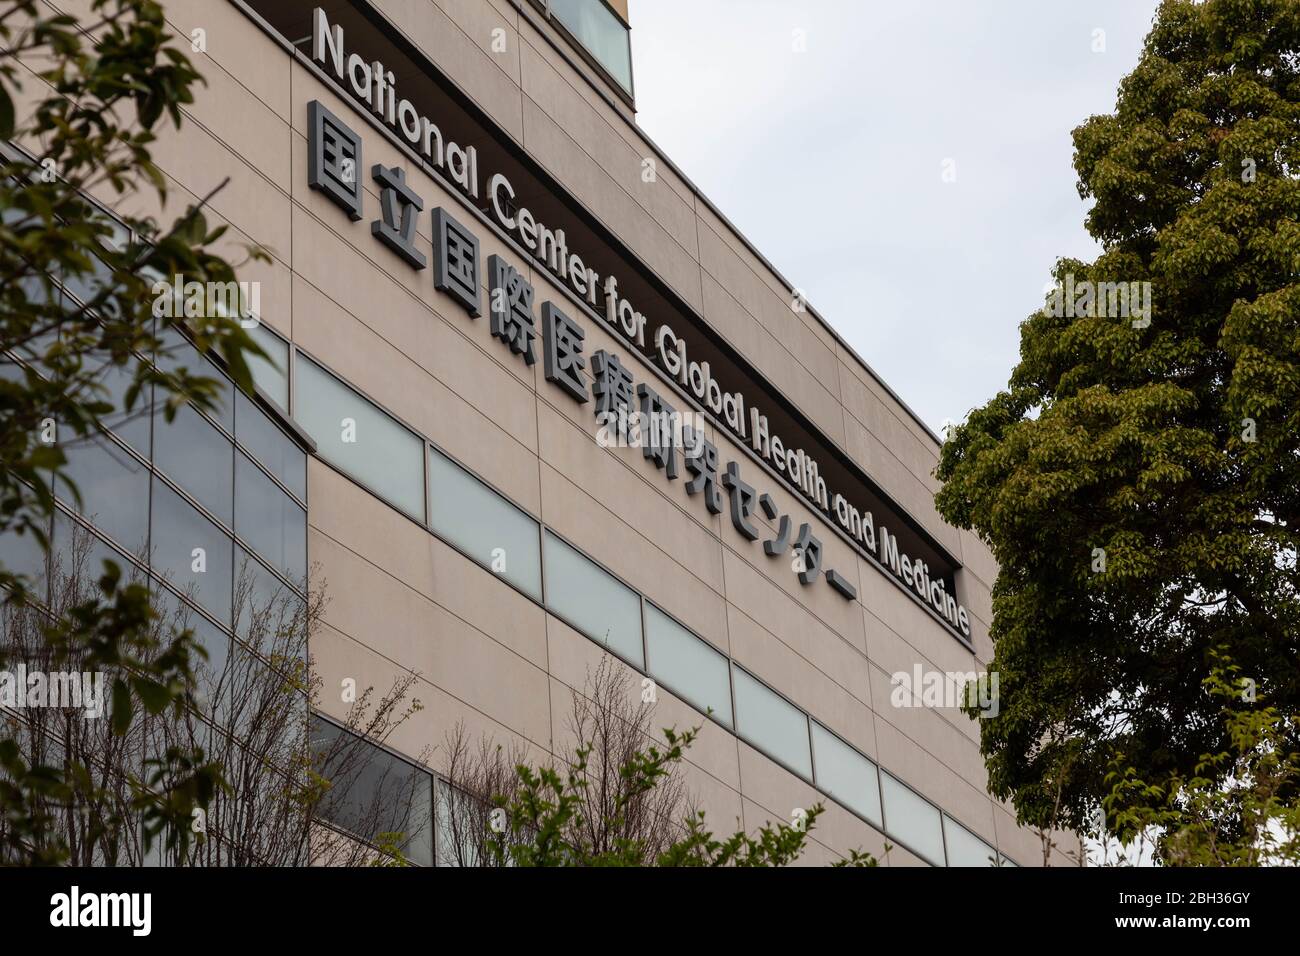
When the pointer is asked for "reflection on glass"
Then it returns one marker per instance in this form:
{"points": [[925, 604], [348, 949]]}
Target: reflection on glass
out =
{"points": [[191, 553], [269, 520], [263, 439], [198, 458], [114, 490], [376, 793]]}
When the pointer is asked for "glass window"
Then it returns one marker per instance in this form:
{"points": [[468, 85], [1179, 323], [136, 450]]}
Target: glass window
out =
{"points": [[592, 600], [460, 819], [484, 525], [114, 489], [191, 553], [845, 774], [23, 554], [269, 520], [272, 377], [130, 426], [687, 665], [264, 440], [353, 434], [177, 616], [269, 615], [78, 560], [177, 353], [964, 847], [771, 723], [198, 458], [912, 820], [600, 30], [373, 792]]}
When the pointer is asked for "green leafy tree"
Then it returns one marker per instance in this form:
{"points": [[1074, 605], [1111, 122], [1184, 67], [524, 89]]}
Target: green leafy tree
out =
{"points": [[1139, 479], [613, 798], [82, 101], [1234, 809]]}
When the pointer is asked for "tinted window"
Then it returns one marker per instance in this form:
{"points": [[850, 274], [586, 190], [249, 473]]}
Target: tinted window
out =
{"points": [[771, 723], [79, 556], [592, 600], [114, 489], [484, 525], [264, 440], [912, 820], [845, 774], [177, 616], [23, 554], [177, 353], [373, 792], [132, 426], [269, 615], [196, 456], [964, 847], [190, 552], [354, 435], [687, 665], [269, 520]]}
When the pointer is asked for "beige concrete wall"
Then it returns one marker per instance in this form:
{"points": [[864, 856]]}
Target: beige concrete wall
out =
{"points": [[403, 601]]}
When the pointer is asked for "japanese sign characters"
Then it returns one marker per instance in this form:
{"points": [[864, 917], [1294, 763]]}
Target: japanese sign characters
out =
{"points": [[336, 170], [635, 411]]}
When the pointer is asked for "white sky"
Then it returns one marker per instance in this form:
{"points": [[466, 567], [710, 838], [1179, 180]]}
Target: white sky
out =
{"points": [[830, 160]]}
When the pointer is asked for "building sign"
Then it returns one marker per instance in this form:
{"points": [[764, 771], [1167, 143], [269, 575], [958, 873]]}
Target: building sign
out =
{"points": [[626, 411]]}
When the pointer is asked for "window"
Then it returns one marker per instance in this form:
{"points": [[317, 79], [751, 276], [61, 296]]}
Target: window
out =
{"points": [[458, 812], [771, 723], [131, 426], [179, 353], [687, 665], [592, 600], [912, 820], [114, 490], [78, 558], [845, 774], [195, 455], [191, 553], [269, 520], [264, 440], [272, 376], [964, 847], [177, 616], [484, 525], [373, 793], [600, 30], [23, 554], [269, 615], [354, 435]]}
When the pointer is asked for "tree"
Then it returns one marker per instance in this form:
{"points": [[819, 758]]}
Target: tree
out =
{"points": [[82, 100], [614, 798], [85, 785], [1139, 479], [1233, 811]]}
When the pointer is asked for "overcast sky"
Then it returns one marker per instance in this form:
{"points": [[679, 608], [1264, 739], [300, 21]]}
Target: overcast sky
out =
{"points": [[831, 159]]}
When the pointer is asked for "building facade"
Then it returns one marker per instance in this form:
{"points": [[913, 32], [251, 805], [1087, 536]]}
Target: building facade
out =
{"points": [[535, 400]]}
